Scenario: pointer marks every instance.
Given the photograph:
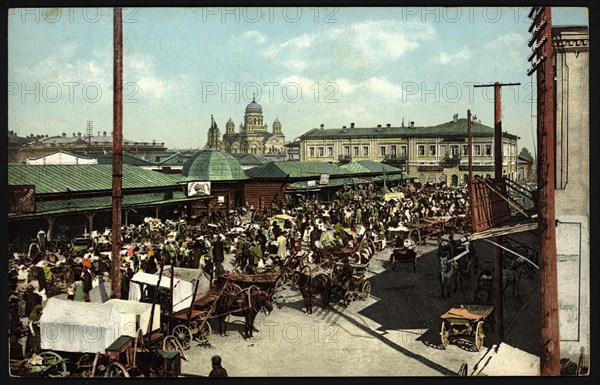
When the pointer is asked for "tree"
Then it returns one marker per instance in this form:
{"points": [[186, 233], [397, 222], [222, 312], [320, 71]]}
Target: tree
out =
{"points": [[526, 154]]}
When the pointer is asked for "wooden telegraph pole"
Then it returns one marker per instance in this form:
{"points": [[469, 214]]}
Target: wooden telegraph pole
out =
{"points": [[498, 160], [117, 173], [541, 43]]}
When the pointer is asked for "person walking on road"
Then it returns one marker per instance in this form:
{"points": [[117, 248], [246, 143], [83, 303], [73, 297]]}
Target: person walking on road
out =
{"points": [[217, 369]]}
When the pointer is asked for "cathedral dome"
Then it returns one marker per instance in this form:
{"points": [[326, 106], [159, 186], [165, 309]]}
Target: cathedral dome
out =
{"points": [[253, 107]]}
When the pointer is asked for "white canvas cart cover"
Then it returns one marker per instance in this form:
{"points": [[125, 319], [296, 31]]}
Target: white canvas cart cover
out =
{"points": [[182, 290], [190, 275], [82, 327], [135, 315]]}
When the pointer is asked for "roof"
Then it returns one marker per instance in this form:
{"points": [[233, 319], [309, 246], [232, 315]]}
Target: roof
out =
{"points": [[393, 178], [55, 178], [108, 158], [302, 185], [73, 154], [285, 169], [177, 159], [251, 159], [213, 165], [449, 129], [253, 107], [369, 167]]}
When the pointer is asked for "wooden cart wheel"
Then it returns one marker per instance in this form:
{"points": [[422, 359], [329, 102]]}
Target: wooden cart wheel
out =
{"points": [[116, 369], [233, 289], [172, 344], [58, 366], [479, 336], [366, 290], [204, 332], [444, 335], [348, 299], [183, 335]]}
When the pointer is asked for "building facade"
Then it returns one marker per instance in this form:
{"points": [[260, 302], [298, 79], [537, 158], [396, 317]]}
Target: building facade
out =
{"points": [[253, 136], [431, 154], [572, 190]]}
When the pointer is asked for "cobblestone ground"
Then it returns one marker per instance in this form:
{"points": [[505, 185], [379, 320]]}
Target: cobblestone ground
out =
{"points": [[395, 332]]}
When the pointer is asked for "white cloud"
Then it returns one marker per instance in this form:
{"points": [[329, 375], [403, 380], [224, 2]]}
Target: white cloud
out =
{"points": [[358, 45], [383, 88], [453, 58], [511, 46], [254, 36]]}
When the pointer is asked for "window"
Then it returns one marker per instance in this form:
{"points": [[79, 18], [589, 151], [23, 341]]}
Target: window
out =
{"points": [[454, 149], [311, 152], [421, 150], [477, 150], [365, 150], [381, 150], [442, 150], [329, 151], [402, 150], [355, 151], [488, 150], [443, 178], [321, 152], [465, 150], [346, 150], [393, 151], [431, 179], [431, 150]]}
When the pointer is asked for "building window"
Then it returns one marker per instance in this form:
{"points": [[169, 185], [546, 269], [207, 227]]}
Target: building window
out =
{"points": [[442, 150], [329, 151], [477, 150], [443, 178], [311, 152], [421, 150], [393, 151], [431, 179], [402, 150], [465, 150], [432, 150], [321, 152], [488, 150], [381, 150], [422, 178], [365, 150], [346, 150], [454, 149], [355, 151]]}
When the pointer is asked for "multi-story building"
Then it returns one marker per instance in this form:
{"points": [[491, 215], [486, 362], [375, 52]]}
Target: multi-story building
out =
{"points": [[572, 189], [431, 154]]}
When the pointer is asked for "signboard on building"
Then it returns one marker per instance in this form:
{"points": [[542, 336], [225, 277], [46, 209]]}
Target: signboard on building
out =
{"points": [[21, 199], [430, 168], [324, 179], [198, 188], [311, 183], [221, 199]]}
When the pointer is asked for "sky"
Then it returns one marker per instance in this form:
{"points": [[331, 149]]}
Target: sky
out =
{"points": [[305, 66]]}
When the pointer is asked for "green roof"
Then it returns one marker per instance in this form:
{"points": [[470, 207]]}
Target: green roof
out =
{"points": [[52, 178], [251, 159], [104, 203], [450, 129], [212, 165], [285, 169], [303, 185], [369, 167], [393, 178]]}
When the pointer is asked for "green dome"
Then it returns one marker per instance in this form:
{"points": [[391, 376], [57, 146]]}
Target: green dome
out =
{"points": [[212, 165]]}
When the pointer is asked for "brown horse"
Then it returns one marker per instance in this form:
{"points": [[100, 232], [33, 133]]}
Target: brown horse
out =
{"points": [[247, 303], [311, 286]]}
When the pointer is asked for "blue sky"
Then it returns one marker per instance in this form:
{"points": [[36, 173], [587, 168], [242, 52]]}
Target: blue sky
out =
{"points": [[307, 67]]}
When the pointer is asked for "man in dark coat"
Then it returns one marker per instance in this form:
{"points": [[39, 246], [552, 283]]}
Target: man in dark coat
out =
{"points": [[217, 369], [86, 278], [218, 252]]}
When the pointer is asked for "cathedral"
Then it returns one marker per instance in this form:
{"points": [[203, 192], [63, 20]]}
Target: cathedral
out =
{"points": [[253, 136]]}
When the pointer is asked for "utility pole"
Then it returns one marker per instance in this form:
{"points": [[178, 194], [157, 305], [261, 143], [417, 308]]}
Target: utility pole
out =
{"points": [[498, 292], [117, 173], [541, 43]]}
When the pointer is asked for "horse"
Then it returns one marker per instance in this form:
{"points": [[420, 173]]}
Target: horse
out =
{"points": [[449, 271], [247, 303], [310, 286]]}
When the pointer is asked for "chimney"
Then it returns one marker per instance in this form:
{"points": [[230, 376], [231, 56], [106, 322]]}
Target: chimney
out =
{"points": [[343, 126], [379, 126], [351, 125], [104, 133], [79, 134], [74, 135], [64, 134], [402, 122], [388, 125], [455, 118], [98, 133], [322, 126], [474, 118], [412, 124]]}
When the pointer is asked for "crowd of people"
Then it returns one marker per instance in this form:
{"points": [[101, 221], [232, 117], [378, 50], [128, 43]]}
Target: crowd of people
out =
{"points": [[255, 240]]}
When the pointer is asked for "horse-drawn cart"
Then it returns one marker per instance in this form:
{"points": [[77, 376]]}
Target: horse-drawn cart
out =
{"points": [[466, 320]]}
